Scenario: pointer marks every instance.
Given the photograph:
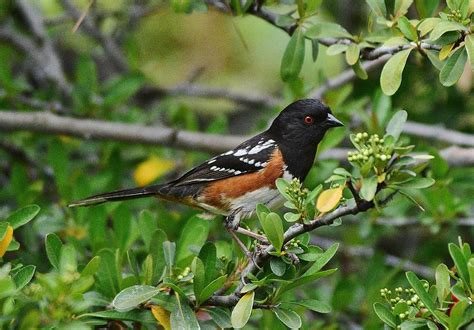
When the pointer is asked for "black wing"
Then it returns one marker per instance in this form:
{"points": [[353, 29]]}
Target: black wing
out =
{"points": [[250, 156]]}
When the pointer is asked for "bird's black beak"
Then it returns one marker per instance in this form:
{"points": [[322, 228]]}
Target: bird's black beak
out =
{"points": [[332, 121]]}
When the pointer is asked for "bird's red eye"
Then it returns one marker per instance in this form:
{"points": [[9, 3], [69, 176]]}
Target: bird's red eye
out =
{"points": [[308, 120]]}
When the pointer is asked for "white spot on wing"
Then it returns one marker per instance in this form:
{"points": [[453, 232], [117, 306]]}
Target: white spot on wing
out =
{"points": [[258, 147], [241, 152], [230, 152], [211, 161]]}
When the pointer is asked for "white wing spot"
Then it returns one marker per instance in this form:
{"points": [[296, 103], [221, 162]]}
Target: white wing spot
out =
{"points": [[241, 152], [258, 148], [211, 161], [251, 161], [230, 152], [237, 172], [214, 168], [258, 164]]}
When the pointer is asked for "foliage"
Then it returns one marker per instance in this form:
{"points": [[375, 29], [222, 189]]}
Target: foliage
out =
{"points": [[172, 281], [442, 304]]}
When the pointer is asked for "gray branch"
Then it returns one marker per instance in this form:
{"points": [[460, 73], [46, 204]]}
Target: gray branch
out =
{"points": [[45, 122], [108, 44]]}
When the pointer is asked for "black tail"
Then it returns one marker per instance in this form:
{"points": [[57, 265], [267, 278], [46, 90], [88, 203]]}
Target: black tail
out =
{"points": [[119, 195]]}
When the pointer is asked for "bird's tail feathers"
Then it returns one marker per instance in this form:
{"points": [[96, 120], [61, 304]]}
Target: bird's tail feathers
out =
{"points": [[119, 195]]}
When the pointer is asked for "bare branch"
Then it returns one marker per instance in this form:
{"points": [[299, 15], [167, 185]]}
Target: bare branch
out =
{"points": [[347, 76], [110, 47], [439, 133], [44, 122]]}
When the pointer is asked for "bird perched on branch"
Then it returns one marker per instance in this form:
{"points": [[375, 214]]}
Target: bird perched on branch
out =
{"points": [[234, 182]]}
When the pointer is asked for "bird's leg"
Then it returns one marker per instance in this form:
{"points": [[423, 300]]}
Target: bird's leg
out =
{"points": [[232, 225], [232, 222], [251, 234]]}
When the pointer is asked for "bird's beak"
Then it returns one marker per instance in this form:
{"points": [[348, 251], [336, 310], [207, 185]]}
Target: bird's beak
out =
{"points": [[332, 121]]}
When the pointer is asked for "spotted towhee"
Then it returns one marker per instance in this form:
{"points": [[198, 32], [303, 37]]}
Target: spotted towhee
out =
{"points": [[234, 182]]}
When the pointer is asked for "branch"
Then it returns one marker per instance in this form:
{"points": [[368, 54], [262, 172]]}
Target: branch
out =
{"points": [[247, 99], [292, 232], [406, 222], [439, 133], [108, 44], [45, 122]]}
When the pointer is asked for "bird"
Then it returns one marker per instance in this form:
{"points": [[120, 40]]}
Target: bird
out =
{"points": [[233, 183]]}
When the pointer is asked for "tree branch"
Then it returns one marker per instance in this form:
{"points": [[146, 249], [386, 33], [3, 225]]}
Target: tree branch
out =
{"points": [[45, 122], [292, 232], [110, 47]]}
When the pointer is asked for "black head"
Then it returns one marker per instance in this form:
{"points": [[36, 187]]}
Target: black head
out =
{"points": [[304, 121], [298, 129]]}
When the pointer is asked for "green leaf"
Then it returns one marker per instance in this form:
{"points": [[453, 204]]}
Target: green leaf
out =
{"points": [[208, 255], [92, 267], [277, 266], [53, 249], [199, 279], [183, 317], [369, 188], [311, 304], [23, 276], [401, 7], [290, 318], [425, 297], [147, 225], [22, 216], [442, 282], [133, 296], [336, 49], [391, 76], [352, 54], [158, 255], [396, 123], [220, 316], [273, 228], [469, 44], [360, 71], [470, 269], [407, 29], [378, 7], [122, 89], [3, 229], [108, 275], [385, 315], [134, 315], [426, 25], [327, 30], [306, 279], [211, 288], [193, 236], [460, 262], [323, 259], [453, 68], [314, 49], [417, 183], [67, 259], [293, 57], [242, 310], [169, 250], [426, 8], [444, 26]]}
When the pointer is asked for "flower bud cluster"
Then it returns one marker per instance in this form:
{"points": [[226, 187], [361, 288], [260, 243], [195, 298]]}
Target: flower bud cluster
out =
{"points": [[401, 295], [370, 146], [184, 275]]}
